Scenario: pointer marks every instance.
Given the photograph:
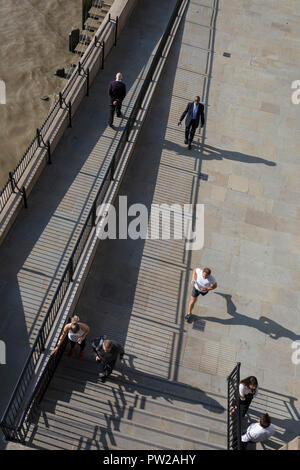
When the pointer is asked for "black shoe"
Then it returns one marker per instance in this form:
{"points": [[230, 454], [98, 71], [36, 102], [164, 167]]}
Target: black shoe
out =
{"points": [[185, 141], [190, 146], [112, 126], [120, 115], [188, 318], [103, 379]]}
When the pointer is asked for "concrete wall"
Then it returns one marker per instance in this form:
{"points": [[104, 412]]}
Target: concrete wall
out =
{"points": [[121, 9]]}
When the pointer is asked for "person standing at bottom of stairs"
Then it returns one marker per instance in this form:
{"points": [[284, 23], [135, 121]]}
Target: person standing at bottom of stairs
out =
{"points": [[107, 352]]}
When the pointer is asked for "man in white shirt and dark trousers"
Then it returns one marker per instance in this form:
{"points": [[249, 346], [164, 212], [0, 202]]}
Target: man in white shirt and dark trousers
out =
{"points": [[203, 281], [258, 432]]}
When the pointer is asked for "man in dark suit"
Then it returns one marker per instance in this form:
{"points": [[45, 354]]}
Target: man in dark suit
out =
{"points": [[117, 92], [193, 112]]}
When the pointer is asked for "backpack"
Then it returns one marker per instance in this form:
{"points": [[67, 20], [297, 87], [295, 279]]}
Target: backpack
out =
{"points": [[97, 344]]}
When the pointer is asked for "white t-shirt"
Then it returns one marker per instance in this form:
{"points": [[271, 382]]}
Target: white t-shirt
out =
{"points": [[75, 336], [256, 433], [201, 283], [243, 390]]}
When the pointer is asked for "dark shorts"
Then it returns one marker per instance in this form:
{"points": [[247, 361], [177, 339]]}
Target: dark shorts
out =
{"points": [[196, 292]]}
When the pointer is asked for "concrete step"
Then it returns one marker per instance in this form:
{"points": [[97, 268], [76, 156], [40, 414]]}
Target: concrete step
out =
{"points": [[98, 12], [132, 410], [99, 4], [85, 36], [80, 48], [55, 433], [108, 396], [83, 422], [140, 382]]}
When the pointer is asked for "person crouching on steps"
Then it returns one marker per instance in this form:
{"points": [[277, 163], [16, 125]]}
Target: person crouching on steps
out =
{"points": [[77, 332]]}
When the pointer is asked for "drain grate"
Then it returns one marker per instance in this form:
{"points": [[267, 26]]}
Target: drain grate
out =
{"points": [[203, 176], [226, 54], [199, 324]]}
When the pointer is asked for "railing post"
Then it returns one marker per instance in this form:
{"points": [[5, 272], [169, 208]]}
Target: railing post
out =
{"points": [[70, 113], [49, 152], [87, 81], [24, 196], [11, 179], [233, 414], [116, 30]]}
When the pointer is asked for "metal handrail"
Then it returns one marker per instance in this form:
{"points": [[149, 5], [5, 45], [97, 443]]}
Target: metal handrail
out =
{"points": [[15, 430], [233, 410]]}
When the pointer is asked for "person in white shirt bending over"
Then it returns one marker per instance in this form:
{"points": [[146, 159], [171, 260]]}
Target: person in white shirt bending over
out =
{"points": [[203, 281], [259, 432]]}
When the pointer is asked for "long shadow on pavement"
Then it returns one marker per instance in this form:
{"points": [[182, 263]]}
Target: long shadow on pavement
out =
{"points": [[267, 326]]}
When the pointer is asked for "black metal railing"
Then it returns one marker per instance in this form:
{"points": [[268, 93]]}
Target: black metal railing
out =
{"points": [[233, 410], [15, 422], [99, 47], [28, 415]]}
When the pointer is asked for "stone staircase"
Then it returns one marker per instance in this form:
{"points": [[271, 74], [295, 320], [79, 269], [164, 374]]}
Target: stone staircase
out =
{"points": [[96, 15], [131, 410]]}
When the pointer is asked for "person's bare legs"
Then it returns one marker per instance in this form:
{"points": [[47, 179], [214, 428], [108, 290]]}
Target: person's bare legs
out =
{"points": [[191, 306]]}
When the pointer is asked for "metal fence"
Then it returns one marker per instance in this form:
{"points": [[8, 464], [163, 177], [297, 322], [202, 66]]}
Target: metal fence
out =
{"points": [[233, 410], [15, 176], [15, 422]]}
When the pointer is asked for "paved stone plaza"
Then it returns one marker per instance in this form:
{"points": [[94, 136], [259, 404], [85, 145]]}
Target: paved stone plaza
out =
{"points": [[37, 249], [138, 291]]}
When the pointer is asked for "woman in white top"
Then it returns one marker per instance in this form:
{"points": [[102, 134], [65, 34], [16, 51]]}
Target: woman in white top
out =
{"points": [[248, 389], [77, 332], [203, 281]]}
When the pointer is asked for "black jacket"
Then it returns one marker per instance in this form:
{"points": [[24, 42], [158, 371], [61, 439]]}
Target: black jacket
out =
{"points": [[111, 356], [117, 91], [189, 114]]}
